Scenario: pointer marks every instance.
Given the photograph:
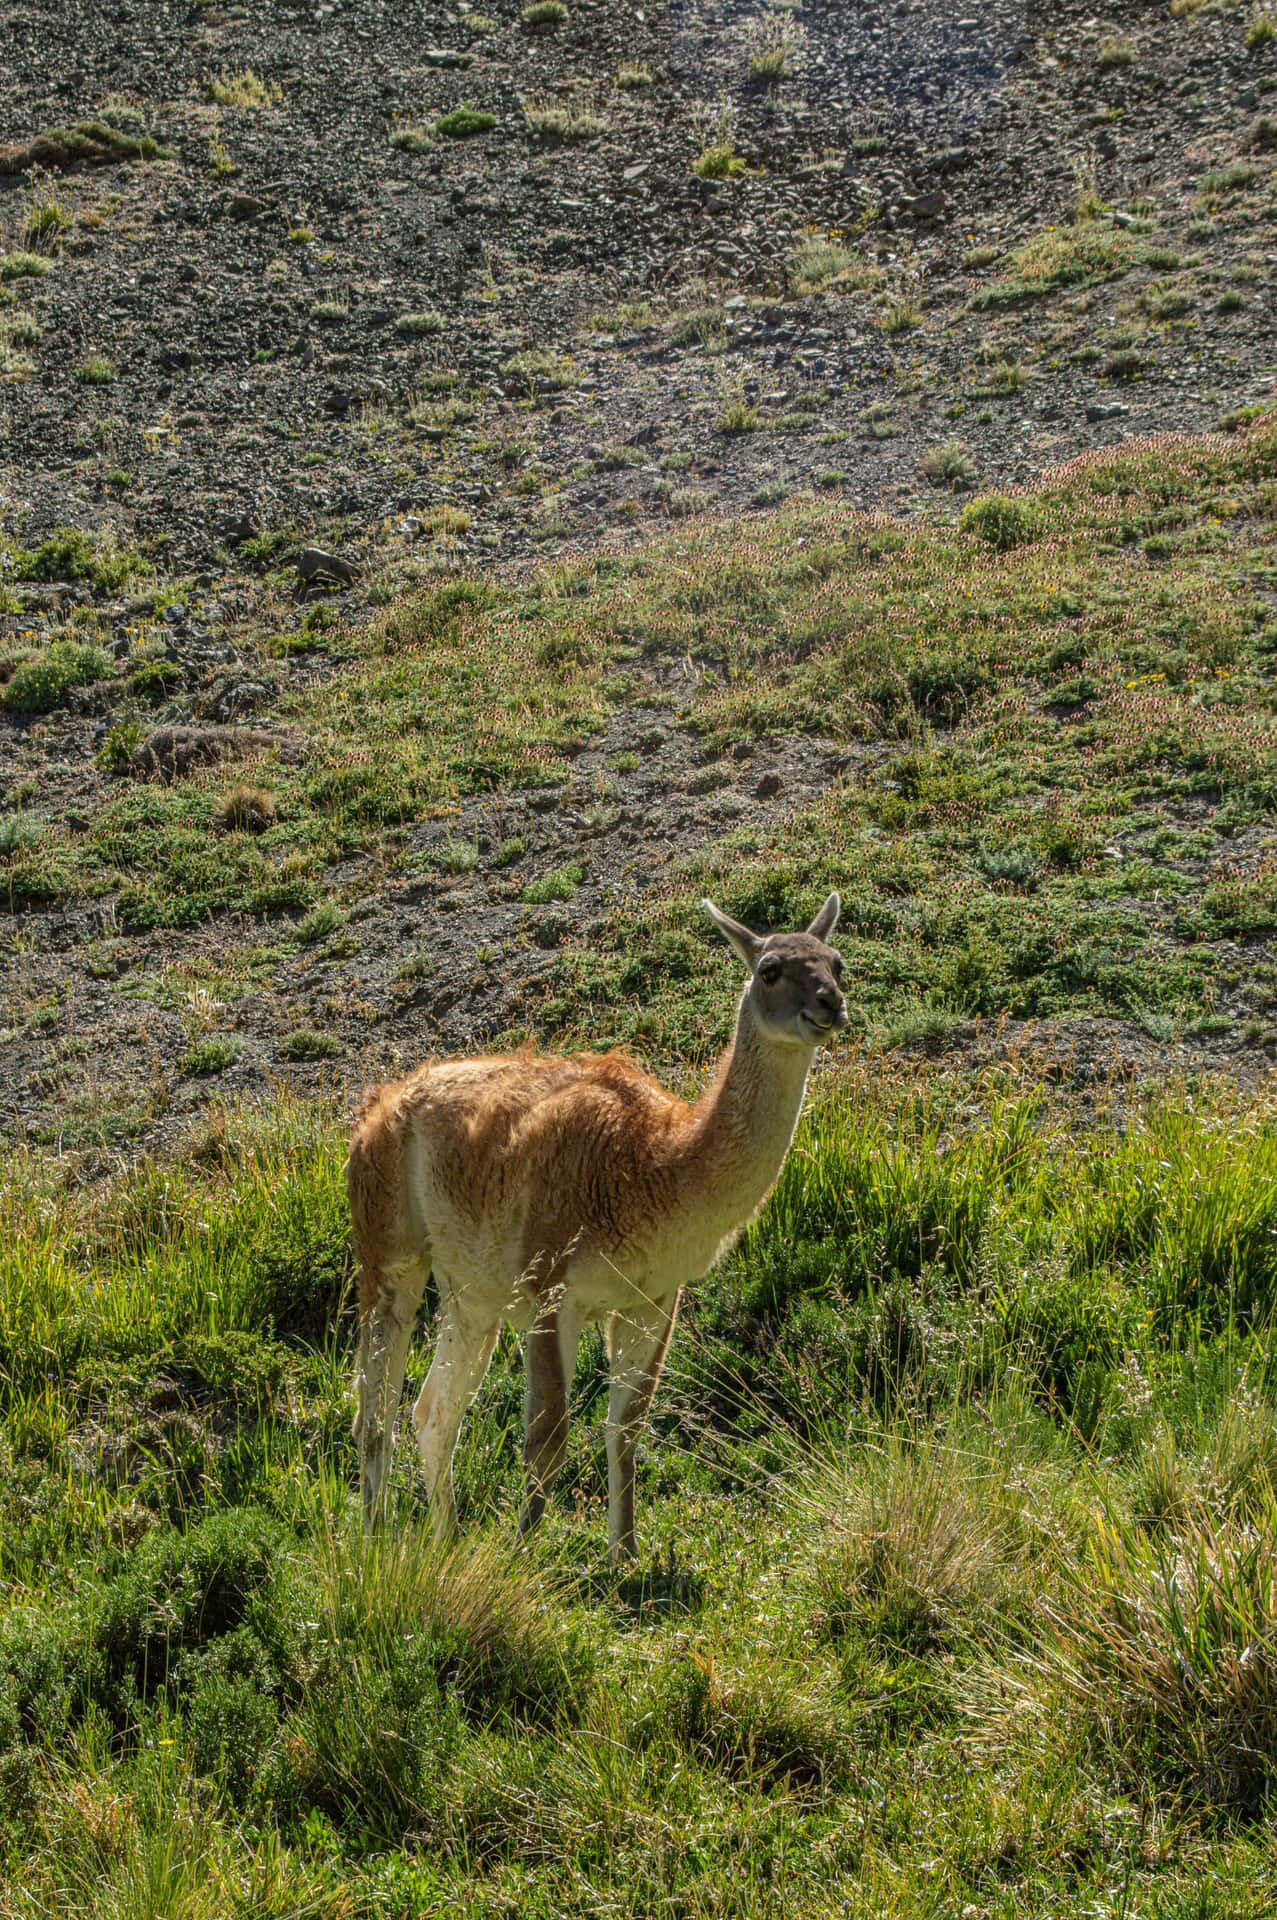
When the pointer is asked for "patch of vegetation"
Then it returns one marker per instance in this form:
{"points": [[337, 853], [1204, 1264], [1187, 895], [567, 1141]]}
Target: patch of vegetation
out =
{"points": [[718, 158], [1262, 30], [115, 753], [771, 39], [415, 324], [73, 555], [955, 1508], [560, 883], [214, 1053], [702, 326], [825, 265], [1115, 52], [411, 136], [464, 123], [1076, 256], [24, 265], [739, 415], [247, 808], [948, 465], [243, 89], [305, 1043], [539, 370], [42, 684], [1236, 177], [563, 120], [155, 678], [1001, 521], [88, 142], [543, 15]]}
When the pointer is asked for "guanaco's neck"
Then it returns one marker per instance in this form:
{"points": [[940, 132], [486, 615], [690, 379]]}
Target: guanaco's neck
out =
{"points": [[744, 1122]]}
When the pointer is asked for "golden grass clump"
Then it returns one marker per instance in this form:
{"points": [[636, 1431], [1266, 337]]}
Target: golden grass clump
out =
{"points": [[246, 809]]}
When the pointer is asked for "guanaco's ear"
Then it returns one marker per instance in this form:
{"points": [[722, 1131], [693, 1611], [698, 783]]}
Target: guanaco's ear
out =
{"points": [[746, 944], [827, 919]]}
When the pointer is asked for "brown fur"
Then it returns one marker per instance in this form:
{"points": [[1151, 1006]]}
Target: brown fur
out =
{"points": [[557, 1192]]}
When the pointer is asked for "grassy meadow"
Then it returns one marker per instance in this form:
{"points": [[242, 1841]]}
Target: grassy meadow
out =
{"points": [[958, 1510], [958, 1590]]}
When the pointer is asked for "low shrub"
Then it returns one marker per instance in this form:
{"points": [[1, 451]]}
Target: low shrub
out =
{"points": [[1000, 521], [42, 685], [464, 123]]}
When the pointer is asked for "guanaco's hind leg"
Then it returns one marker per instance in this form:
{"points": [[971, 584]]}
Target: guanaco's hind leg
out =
{"points": [[392, 1299], [551, 1363], [462, 1356], [638, 1341]]}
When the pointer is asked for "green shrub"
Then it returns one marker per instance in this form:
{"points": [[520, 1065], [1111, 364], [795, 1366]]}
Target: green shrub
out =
{"points": [[371, 1741], [560, 883], [999, 520], [42, 685], [155, 679], [42, 1679], [322, 920], [1233, 178], [213, 1054], [70, 554], [230, 1693], [718, 161], [948, 465], [180, 1591], [115, 755], [539, 369], [463, 123], [419, 323], [1115, 51], [18, 266], [305, 1043]]}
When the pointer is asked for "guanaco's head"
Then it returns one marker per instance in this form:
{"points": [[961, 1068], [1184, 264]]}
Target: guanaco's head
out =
{"points": [[794, 987]]}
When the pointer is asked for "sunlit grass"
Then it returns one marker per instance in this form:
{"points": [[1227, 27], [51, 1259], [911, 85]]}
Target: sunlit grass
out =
{"points": [[954, 1509]]}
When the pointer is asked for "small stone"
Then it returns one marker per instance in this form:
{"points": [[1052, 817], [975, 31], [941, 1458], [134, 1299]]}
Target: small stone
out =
{"points": [[769, 786]]}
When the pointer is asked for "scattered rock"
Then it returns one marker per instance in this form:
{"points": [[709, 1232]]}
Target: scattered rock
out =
{"points": [[314, 564]]}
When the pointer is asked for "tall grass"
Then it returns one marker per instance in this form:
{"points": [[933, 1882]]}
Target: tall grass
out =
{"points": [[958, 1503]]}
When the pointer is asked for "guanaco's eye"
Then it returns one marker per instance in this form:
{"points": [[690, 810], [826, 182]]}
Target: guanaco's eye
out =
{"points": [[769, 972], [836, 964]]}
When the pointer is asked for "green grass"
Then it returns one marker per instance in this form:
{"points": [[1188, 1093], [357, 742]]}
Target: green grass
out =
{"points": [[21, 265], [956, 1511], [212, 1054], [1076, 256], [464, 123]]}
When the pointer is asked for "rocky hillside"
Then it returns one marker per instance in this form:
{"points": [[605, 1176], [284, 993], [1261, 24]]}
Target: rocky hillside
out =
{"points": [[336, 337]]}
